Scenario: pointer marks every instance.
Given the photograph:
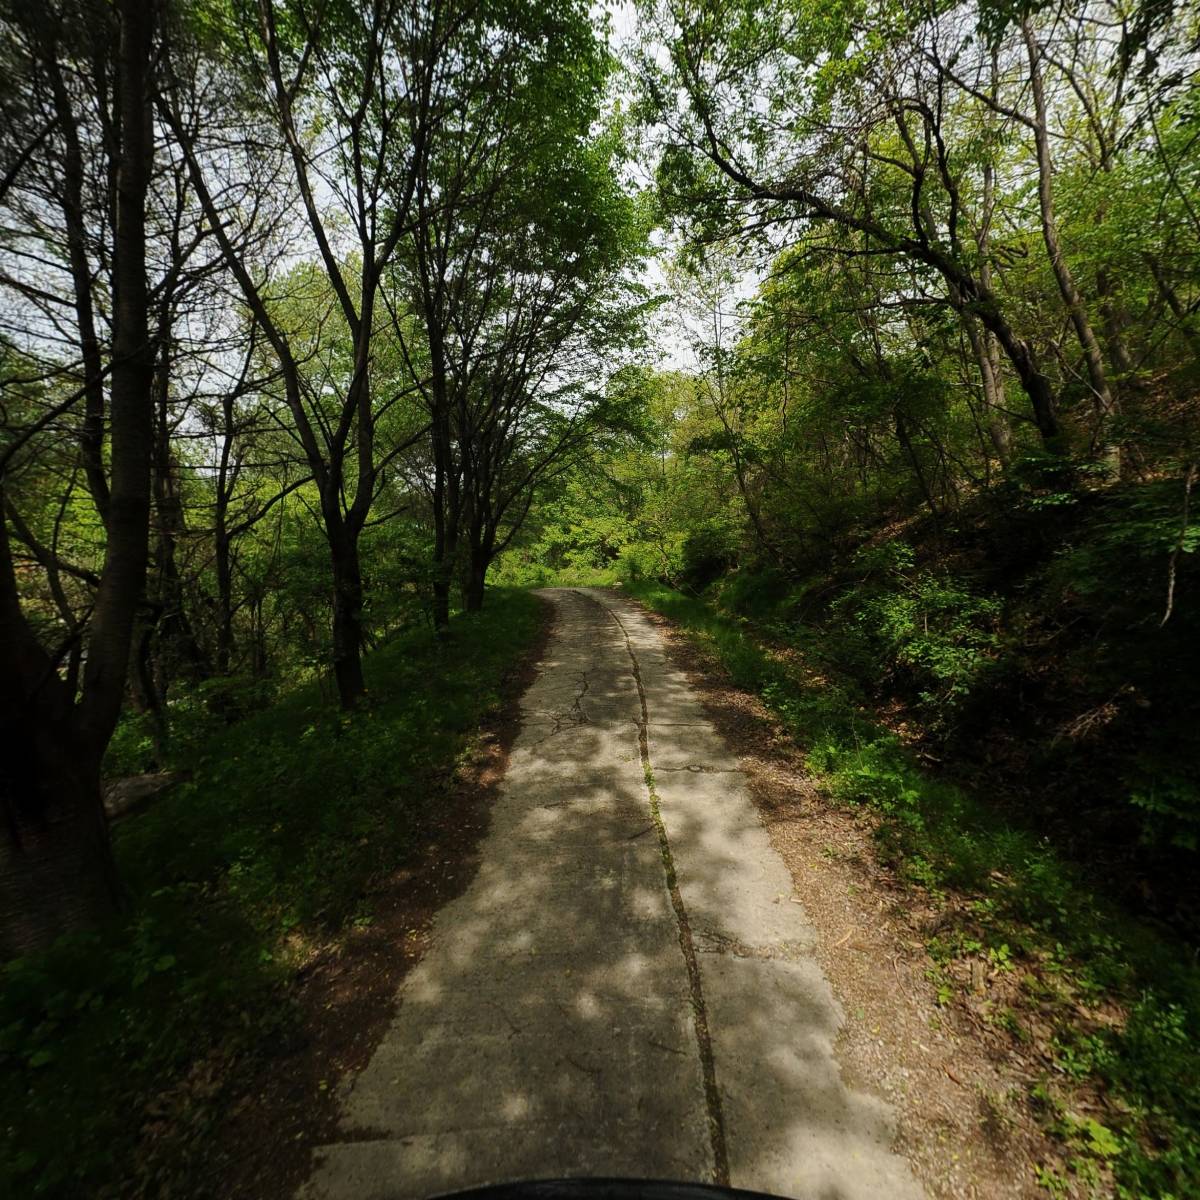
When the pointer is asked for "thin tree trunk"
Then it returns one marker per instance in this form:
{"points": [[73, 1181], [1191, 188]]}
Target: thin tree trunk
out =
{"points": [[1029, 373], [761, 536], [446, 515], [224, 572], [175, 641], [131, 395], [1103, 398], [1186, 319], [993, 420], [91, 436], [910, 451], [222, 541], [1116, 321], [983, 340]]}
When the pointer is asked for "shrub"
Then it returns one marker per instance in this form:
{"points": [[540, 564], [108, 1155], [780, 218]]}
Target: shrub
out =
{"points": [[708, 552], [927, 628]]}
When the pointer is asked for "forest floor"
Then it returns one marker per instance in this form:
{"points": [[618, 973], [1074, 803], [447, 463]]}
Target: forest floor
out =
{"points": [[673, 958]]}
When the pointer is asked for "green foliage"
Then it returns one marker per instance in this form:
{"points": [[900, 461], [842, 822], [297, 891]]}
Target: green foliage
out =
{"points": [[765, 594], [924, 624], [709, 550], [132, 750], [1132, 531], [291, 813]]}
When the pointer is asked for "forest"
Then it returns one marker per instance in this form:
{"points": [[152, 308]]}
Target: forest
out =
{"points": [[860, 340]]}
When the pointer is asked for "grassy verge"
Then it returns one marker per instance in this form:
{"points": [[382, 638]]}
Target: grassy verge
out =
{"points": [[1111, 1005], [270, 851]]}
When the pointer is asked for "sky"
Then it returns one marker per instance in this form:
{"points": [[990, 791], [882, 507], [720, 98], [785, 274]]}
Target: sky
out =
{"points": [[674, 327]]}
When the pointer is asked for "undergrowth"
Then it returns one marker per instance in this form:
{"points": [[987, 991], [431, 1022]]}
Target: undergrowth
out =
{"points": [[114, 1045], [1123, 998]]}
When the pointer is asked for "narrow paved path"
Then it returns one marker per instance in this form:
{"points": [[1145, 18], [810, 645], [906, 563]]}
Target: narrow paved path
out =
{"points": [[627, 987]]}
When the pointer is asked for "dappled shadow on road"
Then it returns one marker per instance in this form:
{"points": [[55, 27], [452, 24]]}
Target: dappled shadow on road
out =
{"points": [[344, 997], [791, 1124], [552, 1028]]}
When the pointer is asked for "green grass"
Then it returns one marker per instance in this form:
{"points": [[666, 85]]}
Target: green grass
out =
{"points": [[1028, 911], [273, 846]]}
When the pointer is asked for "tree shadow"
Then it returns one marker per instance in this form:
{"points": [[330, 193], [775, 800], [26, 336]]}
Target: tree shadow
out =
{"points": [[552, 1028]]}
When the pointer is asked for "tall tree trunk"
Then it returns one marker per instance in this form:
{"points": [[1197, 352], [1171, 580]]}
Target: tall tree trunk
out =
{"points": [[175, 641], [474, 583], [441, 605], [132, 405], [1102, 395], [56, 868], [483, 542], [347, 615]]}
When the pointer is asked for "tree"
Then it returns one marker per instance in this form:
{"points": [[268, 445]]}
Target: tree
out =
{"points": [[900, 128], [56, 869], [514, 273], [341, 82]]}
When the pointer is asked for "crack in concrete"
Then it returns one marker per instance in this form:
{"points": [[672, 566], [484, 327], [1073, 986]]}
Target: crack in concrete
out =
{"points": [[663, 1046], [709, 941], [712, 1094], [572, 718], [695, 770], [594, 1072]]}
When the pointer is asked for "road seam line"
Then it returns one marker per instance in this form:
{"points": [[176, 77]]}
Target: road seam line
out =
{"points": [[712, 1094]]}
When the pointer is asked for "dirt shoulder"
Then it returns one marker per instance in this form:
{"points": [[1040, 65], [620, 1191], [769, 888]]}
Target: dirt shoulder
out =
{"points": [[345, 995], [959, 1087]]}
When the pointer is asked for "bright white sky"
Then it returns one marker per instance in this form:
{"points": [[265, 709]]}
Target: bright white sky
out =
{"points": [[673, 328]]}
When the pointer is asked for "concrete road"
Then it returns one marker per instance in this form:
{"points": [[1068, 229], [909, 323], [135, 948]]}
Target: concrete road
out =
{"points": [[627, 987]]}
